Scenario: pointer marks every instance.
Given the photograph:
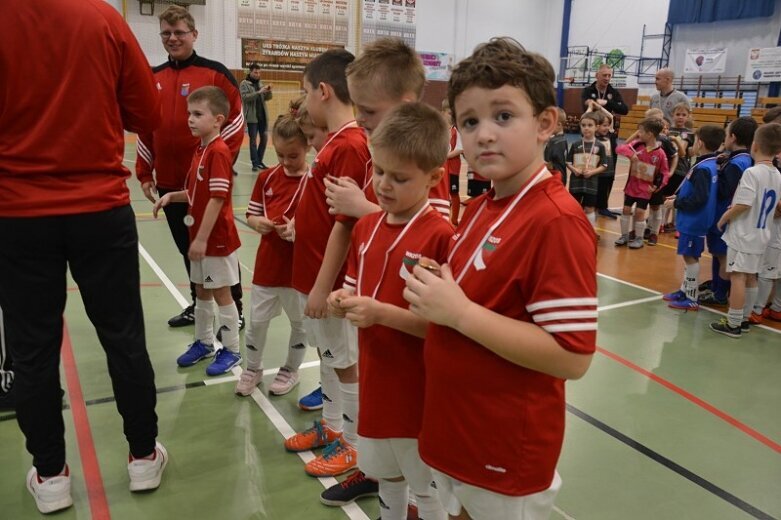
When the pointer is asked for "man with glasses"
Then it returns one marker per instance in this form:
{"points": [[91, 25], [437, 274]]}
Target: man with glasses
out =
{"points": [[169, 150]]}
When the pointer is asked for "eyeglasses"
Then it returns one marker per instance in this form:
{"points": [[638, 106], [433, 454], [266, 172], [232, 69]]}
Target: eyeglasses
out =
{"points": [[179, 34]]}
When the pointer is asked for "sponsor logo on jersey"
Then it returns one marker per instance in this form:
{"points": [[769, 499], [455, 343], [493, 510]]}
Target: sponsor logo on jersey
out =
{"points": [[269, 192], [497, 469], [327, 354], [208, 279]]}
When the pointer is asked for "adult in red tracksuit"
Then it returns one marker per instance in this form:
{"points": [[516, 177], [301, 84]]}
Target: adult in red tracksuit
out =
{"points": [[168, 151], [64, 203]]}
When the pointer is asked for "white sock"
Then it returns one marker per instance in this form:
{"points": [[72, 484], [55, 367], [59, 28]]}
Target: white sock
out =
{"points": [[655, 221], [592, 217], [748, 305], [204, 321], [776, 305], [429, 506], [639, 228], [255, 339], [229, 322], [297, 345], [350, 413], [665, 213], [764, 287], [393, 500], [691, 274], [735, 317], [332, 398], [625, 224]]}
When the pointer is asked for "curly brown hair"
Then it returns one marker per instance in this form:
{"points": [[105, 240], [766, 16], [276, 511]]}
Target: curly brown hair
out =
{"points": [[504, 61]]}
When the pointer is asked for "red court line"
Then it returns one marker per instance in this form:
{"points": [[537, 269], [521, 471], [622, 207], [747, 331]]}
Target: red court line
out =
{"points": [[694, 399], [89, 460]]}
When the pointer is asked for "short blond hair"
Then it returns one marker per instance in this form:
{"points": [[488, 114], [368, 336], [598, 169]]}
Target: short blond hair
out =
{"points": [[390, 66], [174, 13], [215, 99], [768, 139], [654, 112], [414, 132]]}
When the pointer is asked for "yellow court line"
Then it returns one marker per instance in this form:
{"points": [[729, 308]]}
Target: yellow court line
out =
{"points": [[610, 231], [237, 209]]}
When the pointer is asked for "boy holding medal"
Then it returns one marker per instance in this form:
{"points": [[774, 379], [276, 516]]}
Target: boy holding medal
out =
{"points": [[586, 160], [408, 148], [213, 235], [516, 300]]}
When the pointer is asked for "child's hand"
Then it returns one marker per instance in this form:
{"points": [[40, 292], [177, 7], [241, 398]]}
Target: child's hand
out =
{"points": [[335, 302], [653, 189], [669, 202], [287, 231], [361, 310], [344, 196], [160, 203], [261, 224], [317, 304], [197, 250], [149, 190], [438, 300], [722, 223]]}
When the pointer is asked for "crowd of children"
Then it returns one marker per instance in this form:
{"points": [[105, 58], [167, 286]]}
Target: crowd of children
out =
{"points": [[355, 250]]}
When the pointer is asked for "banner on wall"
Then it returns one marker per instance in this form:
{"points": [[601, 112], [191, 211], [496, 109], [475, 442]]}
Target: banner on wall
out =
{"points": [[705, 61], [314, 21], [281, 55], [382, 18], [438, 65], [764, 64]]}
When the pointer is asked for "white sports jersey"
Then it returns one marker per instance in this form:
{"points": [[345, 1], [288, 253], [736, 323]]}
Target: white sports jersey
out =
{"points": [[775, 233], [760, 188]]}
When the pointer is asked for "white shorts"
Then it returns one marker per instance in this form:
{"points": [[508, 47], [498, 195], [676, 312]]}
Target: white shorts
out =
{"points": [[266, 303], [771, 264], [738, 262], [215, 272], [482, 504], [393, 458], [335, 338]]}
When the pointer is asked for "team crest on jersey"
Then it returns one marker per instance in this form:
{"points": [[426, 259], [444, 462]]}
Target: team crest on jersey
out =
{"points": [[408, 263], [159, 86], [199, 172], [486, 251], [185, 90]]}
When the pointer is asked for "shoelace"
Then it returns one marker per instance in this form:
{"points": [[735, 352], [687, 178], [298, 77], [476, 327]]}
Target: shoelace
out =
{"points": [[332, 450], [356, 478]]}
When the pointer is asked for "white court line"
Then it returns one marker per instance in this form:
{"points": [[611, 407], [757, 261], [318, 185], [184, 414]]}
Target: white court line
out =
{"points": [[702, 307], [562, 513], [352, 510], [628, 303]]}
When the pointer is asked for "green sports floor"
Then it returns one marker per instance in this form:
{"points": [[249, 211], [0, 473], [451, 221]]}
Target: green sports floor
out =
{"points": [[671, 422]]}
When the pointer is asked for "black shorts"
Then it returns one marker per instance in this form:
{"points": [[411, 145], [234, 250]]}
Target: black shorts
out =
{"points": [[586, 200], [673, 184], [657, 199], [476, 187], [455, 184], [629, 201]]}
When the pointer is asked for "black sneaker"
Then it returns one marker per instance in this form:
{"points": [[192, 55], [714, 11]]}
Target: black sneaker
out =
{"points": [[647, 234], [185, 318], [745, 327], [722, 327], [356, 486], [705, 286]]}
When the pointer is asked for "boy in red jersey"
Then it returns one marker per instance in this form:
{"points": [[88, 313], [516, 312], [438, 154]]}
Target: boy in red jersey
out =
{"points": [[319, 252], [213, 235], [453, 170], [408, 149], [273, 199], [387, 73], [517, 298]]}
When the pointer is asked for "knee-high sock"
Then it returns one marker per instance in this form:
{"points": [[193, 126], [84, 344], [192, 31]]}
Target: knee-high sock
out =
{"points": [[204, 321], [393, 500], [429, 506], [625, 224], [764, 287], [776, 305], [748, 305], [296, 345], [655, 220], [332, 398], [229, 322], [639, 228], [691, 275], [255, 338], [592, 217], [350, 412]]}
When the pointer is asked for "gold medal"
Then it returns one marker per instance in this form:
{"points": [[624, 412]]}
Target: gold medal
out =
{"points": [[189, 220]]}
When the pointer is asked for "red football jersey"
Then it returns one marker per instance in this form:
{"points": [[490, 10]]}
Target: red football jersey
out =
{"points": [[392, 377], [275, 195], [454, 164], [538, 266], [211, 176], [345, 154]]}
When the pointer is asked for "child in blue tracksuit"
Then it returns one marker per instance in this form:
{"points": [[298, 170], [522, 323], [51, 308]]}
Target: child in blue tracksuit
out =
{"points": [[696, 209]]}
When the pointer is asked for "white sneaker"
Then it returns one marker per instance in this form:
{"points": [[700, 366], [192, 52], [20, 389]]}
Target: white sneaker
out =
{"points": [[284, 381], [248, 381], [145, 474], [52, 494]]}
